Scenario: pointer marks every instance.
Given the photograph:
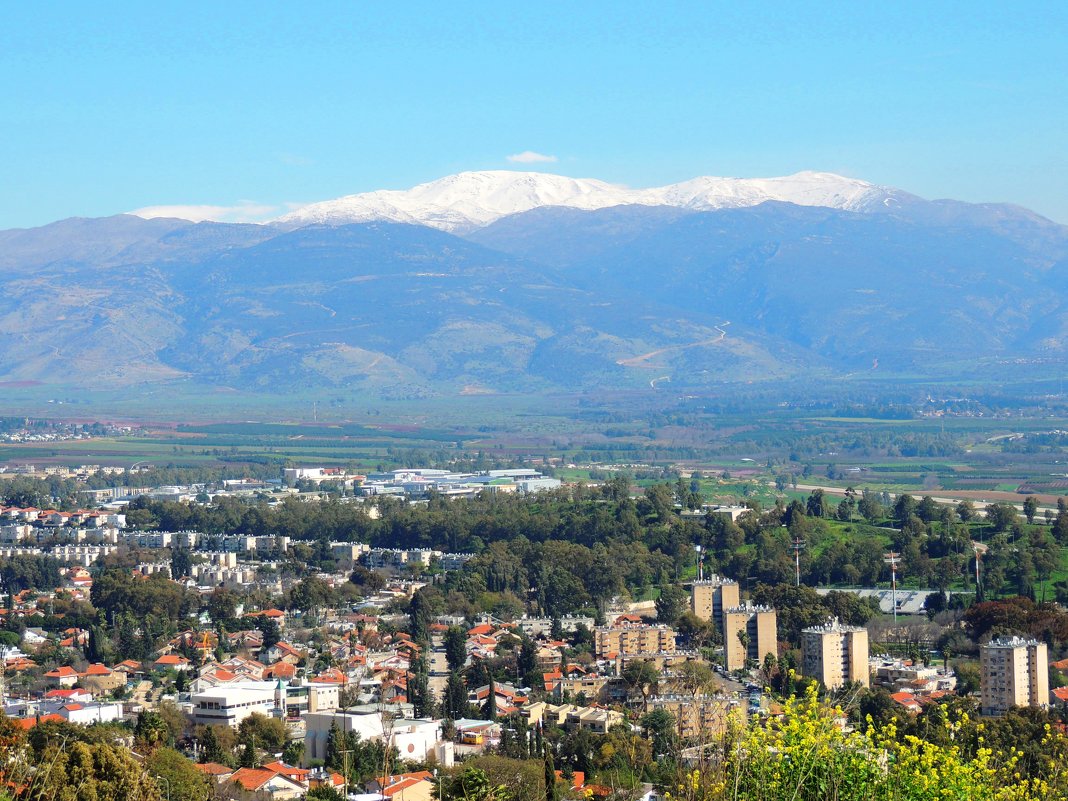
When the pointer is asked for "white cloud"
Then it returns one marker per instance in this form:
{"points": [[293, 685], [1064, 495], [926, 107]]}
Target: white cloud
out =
{"points": [[246, 211], [530, 157], [295, 160]]}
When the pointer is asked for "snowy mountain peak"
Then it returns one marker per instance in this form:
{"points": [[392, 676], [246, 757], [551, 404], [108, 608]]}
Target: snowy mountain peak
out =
{"points": [[470, 200]]}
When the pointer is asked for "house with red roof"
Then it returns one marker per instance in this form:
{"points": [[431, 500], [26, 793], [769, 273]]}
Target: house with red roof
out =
{"points": [[280, 670], [29, 723], [299, 775], [70, 696], [99, 678], [331, 676], [172, 662], [64, 676], [260, 784], [906, 700], [283, 652], [131, 667], [219, 773], [578, 779], [277, 615], [19, 663], [417, 786]]}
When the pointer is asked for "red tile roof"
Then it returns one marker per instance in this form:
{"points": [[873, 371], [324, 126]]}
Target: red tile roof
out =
{"points": [[62, 672], [252, 778], [29, 723], [214, 769]]}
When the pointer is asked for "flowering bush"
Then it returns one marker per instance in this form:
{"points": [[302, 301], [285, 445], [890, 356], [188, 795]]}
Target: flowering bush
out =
{"points": [[811, 755]]}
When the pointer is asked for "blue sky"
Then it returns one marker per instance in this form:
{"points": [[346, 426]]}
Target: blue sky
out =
{"points": [[106, 108]]}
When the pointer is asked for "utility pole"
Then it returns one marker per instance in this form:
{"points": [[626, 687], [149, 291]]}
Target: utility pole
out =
{"points": [[975, 547], [891, 559], [345, 767], [797, 547], [700, 570]]}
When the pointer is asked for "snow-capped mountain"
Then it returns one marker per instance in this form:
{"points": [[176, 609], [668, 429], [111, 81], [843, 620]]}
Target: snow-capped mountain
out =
{"points": [[471, 200]]}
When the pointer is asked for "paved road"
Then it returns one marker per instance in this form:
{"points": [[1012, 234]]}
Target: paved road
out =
{"points": [[438, 667], [142, 692]]}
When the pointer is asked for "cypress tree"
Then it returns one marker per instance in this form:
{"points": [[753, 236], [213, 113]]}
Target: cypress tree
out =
{"points": [[552, 792], [490, 708]]}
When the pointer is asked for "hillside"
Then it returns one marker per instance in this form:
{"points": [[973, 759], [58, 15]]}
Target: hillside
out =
{"points": [[551, 299]]}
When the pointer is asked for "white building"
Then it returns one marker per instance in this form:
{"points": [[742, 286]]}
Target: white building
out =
{"points": [[229, 704]]}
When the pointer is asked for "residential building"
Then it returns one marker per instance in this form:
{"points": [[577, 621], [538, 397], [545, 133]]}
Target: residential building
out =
{"points": [[835, 654], [632, 640], [698, 718], [757, 625], [228, 705], [1013, 672], [367, 723], [710, 597]]}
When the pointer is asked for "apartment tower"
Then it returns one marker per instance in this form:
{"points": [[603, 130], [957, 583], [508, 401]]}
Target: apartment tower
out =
{"points": [[1013, 672], [761, 635], [710, 597], [835, 654]]}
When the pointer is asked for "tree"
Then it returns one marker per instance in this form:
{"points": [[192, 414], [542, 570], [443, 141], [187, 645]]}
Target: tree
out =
{"points": [[641, 675], [293, 753], [268, 733], [816, 506], [210, 748], [222, 605], [311, 593], [743, 638], [182, 779], [82, 770], [869, 507], [671, 604], [695, 677], [181, 563], [335, 744], [151, 730], [1030, 508], [173, 718], [455, 648], [117, 591], [272, 634], [419, 690], [419, 616], [552, 792], [1001, 516], [490, 707], [324, 792], [472, 784], [904, 508], [454, 701], [248, 757], [659, 727]]}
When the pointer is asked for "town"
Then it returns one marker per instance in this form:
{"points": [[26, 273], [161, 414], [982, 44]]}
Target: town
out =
{"points": [[411, 633]]}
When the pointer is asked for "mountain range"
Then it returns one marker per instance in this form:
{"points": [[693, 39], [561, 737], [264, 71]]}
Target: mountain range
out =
{"points": [[527, 282]]}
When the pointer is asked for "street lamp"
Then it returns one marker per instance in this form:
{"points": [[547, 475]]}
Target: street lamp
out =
{"points": [[165, 779]]}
